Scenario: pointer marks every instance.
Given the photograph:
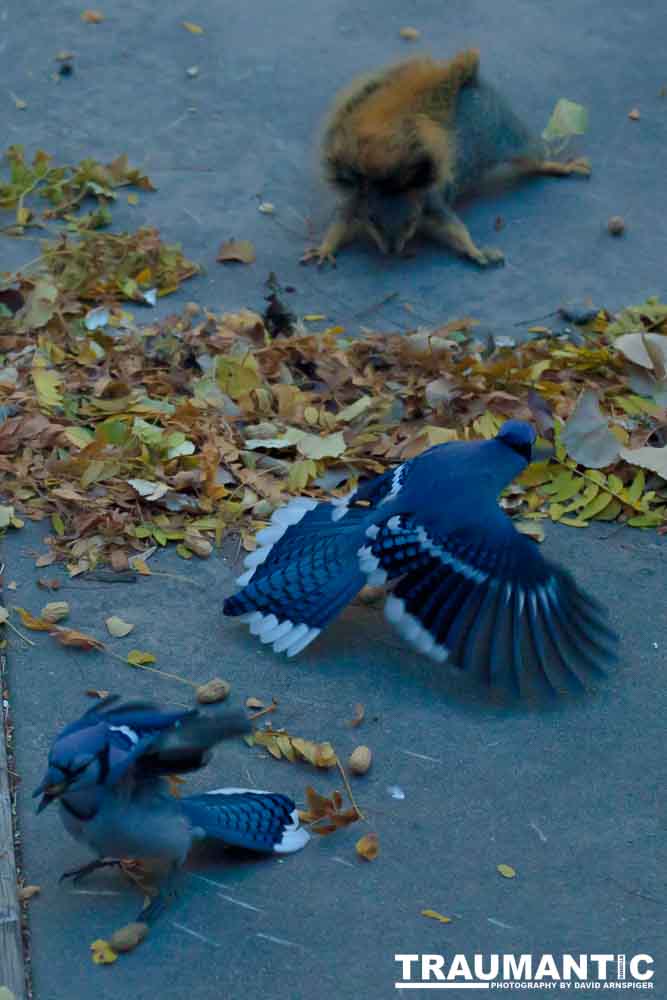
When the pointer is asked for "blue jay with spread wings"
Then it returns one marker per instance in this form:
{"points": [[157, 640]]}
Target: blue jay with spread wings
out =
{"points": [[107, 771], [468, 587]]}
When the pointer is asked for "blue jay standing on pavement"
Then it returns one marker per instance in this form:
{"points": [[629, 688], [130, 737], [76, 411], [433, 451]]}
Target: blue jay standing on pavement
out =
{"points": [[106, 770], [470, 588]]}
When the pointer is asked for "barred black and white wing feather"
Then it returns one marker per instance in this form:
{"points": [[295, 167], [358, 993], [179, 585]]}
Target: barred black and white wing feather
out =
{"points": [[487, 601], [259, 821]]}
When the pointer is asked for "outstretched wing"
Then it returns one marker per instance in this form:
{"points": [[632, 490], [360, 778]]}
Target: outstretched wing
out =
{"points": [[484, 598]]}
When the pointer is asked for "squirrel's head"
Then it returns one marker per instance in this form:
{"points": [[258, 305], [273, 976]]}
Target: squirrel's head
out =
{"points": [[390, 173]]}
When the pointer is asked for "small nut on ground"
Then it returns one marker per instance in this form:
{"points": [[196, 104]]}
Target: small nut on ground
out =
{"points": [[616, 225], [128, 937], [360, 760], [214, 690]]}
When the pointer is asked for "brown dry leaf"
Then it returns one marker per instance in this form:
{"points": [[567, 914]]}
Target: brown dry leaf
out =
{"points": [[358, 717], [44, 584], [434, 915], [236, 251], [92, 16], [79, 640], [325, 814], [26, 892], [368, 846], [127, 938]]}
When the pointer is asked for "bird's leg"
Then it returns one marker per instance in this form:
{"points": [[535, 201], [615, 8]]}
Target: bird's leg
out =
{"points": [[78, 873], [167, 892], [418, 201], [444, 226]]}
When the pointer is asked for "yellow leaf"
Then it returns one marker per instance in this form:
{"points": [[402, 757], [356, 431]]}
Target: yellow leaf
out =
{"points": [[138, 658], [637, 488], [434, 915], [36, 624], [141, 567], [506, 871], [314, 317], [194, 29], [46, 384], [316, 447], [133, 199], [102, 952]]}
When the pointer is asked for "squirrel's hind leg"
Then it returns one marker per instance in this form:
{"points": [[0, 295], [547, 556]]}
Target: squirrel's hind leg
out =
{"points": [[527, 166]]}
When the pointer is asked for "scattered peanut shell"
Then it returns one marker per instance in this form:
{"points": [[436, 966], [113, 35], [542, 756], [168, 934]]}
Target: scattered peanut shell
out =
{"points": [[368, 846], [616, 225], [198, 544], [360, 760], [28, 891], [54, 611], [214, 690], [128, 937], [410, 34], [634, 114]]}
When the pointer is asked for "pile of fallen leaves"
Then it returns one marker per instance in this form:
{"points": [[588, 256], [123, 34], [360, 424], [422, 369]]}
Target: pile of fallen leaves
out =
{"points": [[130, 437]]}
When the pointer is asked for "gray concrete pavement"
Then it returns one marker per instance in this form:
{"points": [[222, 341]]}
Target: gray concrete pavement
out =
{"points": [[568, 795]]}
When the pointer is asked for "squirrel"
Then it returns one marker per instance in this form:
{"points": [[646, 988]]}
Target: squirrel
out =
{"points": [[403, 144]]}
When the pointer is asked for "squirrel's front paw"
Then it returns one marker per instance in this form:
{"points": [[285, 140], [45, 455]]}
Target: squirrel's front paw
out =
{"points": [[490, 257], [581, 166], [321, 255]]}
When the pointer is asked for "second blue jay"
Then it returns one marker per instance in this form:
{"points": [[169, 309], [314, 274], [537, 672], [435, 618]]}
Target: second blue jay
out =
{"points": [[470, 588], [106, 770]]}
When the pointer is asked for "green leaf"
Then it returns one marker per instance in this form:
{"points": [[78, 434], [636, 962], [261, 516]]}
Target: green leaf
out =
{"points": [[567, 119], [47, 385], [650, 520], [596, 506], [58, 524]]}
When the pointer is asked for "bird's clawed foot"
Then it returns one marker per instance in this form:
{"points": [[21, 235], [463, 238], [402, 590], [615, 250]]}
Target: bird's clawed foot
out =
{"points": [[76, 874]]}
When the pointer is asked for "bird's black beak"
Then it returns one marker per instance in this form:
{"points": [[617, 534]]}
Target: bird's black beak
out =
{"points": [[49, 790]]}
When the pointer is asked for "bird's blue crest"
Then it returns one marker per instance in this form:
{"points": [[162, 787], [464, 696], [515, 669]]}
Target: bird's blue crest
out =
{"points": [[518, 435]]}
